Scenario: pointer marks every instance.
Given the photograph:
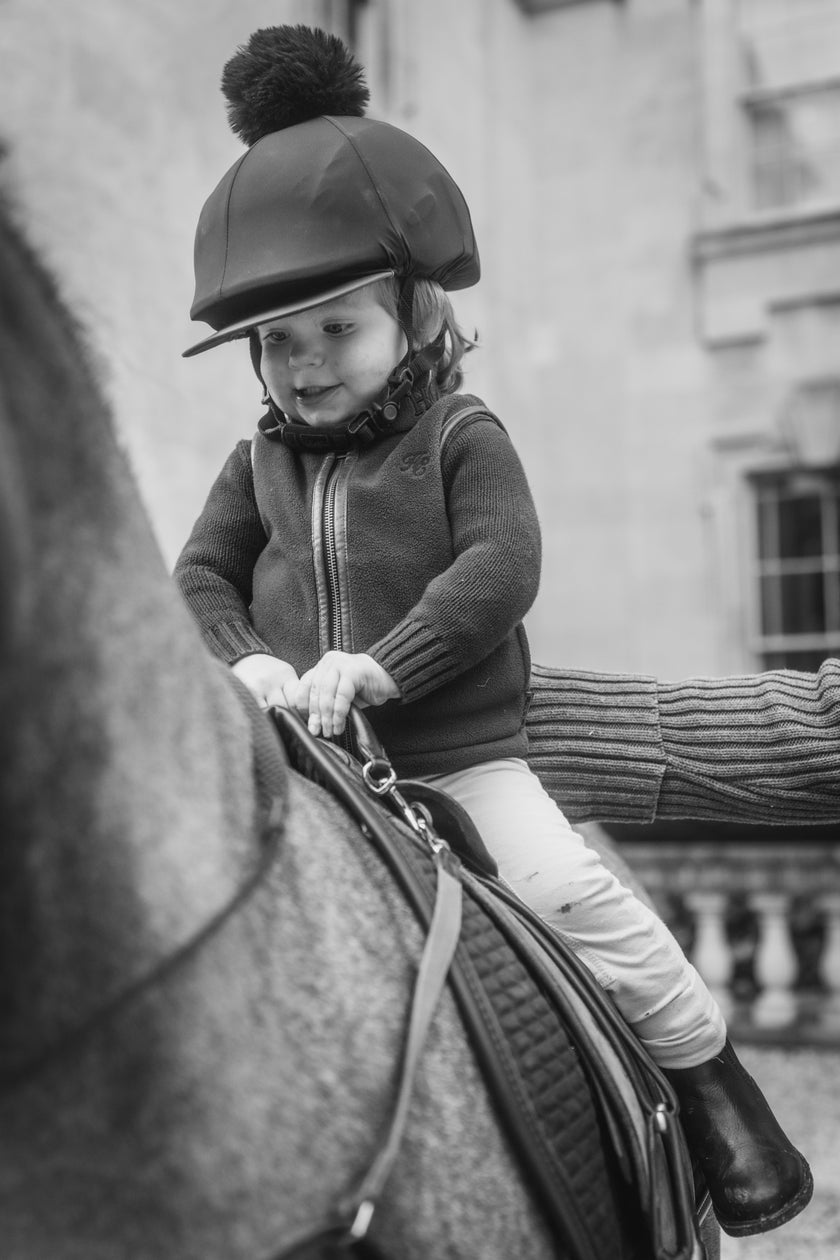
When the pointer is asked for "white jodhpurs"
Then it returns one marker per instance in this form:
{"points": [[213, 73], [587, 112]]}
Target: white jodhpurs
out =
{"points": [[626, 946]]}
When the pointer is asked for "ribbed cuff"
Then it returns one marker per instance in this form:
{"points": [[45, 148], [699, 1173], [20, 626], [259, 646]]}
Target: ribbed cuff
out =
{"points": [[595, 743], [416, 660], [231, 640]]}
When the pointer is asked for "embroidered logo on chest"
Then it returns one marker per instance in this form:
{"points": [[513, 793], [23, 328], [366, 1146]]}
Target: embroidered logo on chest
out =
{"points": [[416, 464]]}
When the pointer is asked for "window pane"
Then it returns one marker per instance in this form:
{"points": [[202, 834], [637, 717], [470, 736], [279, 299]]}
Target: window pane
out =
{"points": [[803, 603], [768, 520], [798, 567], [771, 606], [796, 147], [800, 527]]}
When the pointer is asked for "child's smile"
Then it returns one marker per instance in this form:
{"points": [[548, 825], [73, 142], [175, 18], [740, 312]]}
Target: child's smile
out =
{"points": [[325, 365], [314, 395]]}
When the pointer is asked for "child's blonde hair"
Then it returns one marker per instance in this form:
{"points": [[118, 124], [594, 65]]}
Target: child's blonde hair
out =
{"points": [[432, 314]]}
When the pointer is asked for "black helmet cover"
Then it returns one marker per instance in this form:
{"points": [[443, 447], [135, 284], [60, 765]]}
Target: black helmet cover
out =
{"points": [[325, 200]]}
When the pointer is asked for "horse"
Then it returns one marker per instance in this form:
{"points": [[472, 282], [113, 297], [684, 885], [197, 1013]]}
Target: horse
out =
{"points": [[205, 975]]}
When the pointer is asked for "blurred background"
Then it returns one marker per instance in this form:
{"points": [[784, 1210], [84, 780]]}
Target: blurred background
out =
{"points": [[655, 186]]}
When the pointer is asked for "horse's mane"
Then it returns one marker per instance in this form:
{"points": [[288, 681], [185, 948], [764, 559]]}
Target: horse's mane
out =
{"points": [[104, 688], [49, 385], [56, 442]]}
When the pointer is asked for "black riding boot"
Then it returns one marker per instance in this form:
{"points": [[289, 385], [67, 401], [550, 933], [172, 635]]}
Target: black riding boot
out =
{"points": [[756, 1178]]}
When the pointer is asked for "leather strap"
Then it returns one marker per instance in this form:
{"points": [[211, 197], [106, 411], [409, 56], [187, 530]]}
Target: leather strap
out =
{"points": [[348, 1226], [441, 943], [553, 1182]]}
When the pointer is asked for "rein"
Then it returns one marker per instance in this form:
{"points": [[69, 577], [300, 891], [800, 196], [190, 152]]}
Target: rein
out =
{"points": [[347, 1227], [637, 1108]]}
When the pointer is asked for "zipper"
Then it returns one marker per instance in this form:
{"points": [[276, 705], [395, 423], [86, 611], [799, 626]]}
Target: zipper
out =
{"points": [[333, 623], [335, 629]]}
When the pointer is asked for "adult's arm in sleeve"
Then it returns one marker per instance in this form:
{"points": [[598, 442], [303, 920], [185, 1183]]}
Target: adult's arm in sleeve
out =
{"points": [[755, 748]]}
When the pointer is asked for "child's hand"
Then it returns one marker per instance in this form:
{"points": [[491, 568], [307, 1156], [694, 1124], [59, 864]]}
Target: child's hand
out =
{"points": [[269, 680], [326, 691]]}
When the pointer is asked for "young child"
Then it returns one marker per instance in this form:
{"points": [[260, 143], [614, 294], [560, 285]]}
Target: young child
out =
{"points": [[374, 544]]}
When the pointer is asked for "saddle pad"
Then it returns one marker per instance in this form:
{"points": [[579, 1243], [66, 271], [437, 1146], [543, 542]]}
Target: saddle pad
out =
{"points": [[537, 1077], [592, 1118]]}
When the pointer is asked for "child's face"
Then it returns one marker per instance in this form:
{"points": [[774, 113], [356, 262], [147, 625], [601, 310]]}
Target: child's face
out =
{"points": [[325, 365]]}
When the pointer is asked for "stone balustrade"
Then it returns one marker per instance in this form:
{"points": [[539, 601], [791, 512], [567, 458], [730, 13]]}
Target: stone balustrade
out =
{"points": [[761, 922]]}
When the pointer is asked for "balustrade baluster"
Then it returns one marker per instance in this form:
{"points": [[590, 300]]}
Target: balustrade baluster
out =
{"points": [[741, 899], [829, 903], [775, 961], [711, 954]]}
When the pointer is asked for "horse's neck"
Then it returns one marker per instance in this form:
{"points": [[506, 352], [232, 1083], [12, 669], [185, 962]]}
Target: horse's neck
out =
{"points": [[116, 773], [129, 757]]}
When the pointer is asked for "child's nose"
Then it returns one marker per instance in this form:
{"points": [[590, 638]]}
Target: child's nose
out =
{"points": [[304, 351]]}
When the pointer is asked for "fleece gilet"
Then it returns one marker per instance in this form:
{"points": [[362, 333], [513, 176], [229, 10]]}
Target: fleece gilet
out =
{"points": [[427, 563]]}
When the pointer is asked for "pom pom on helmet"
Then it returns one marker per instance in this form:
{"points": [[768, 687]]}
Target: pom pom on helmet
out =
{"points": [[323, 201], [286, 75]]}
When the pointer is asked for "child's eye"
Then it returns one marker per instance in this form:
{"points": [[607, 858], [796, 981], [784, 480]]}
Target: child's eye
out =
{"points": [[274, 336], [338, 328]]}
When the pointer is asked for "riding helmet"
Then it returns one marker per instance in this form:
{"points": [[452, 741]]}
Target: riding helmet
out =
{"points": [[324, 200]]}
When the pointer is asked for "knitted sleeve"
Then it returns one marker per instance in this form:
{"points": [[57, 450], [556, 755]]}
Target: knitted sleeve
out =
{"points": [[214, 570], [760, 748], [468, 610]]}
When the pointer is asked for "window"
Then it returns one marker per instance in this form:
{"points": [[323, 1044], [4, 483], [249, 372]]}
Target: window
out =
{"points": [[795, 144], [798, 529]]}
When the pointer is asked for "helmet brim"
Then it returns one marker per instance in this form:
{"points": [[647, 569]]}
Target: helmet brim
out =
{"points": [[243, 327]]}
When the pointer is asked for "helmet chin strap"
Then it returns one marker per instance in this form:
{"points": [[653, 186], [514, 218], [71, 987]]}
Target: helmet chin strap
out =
{"points": [[377, 419]]}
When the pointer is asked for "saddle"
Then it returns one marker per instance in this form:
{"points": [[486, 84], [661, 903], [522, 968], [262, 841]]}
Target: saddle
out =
{"points": [[593, 1120]]}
